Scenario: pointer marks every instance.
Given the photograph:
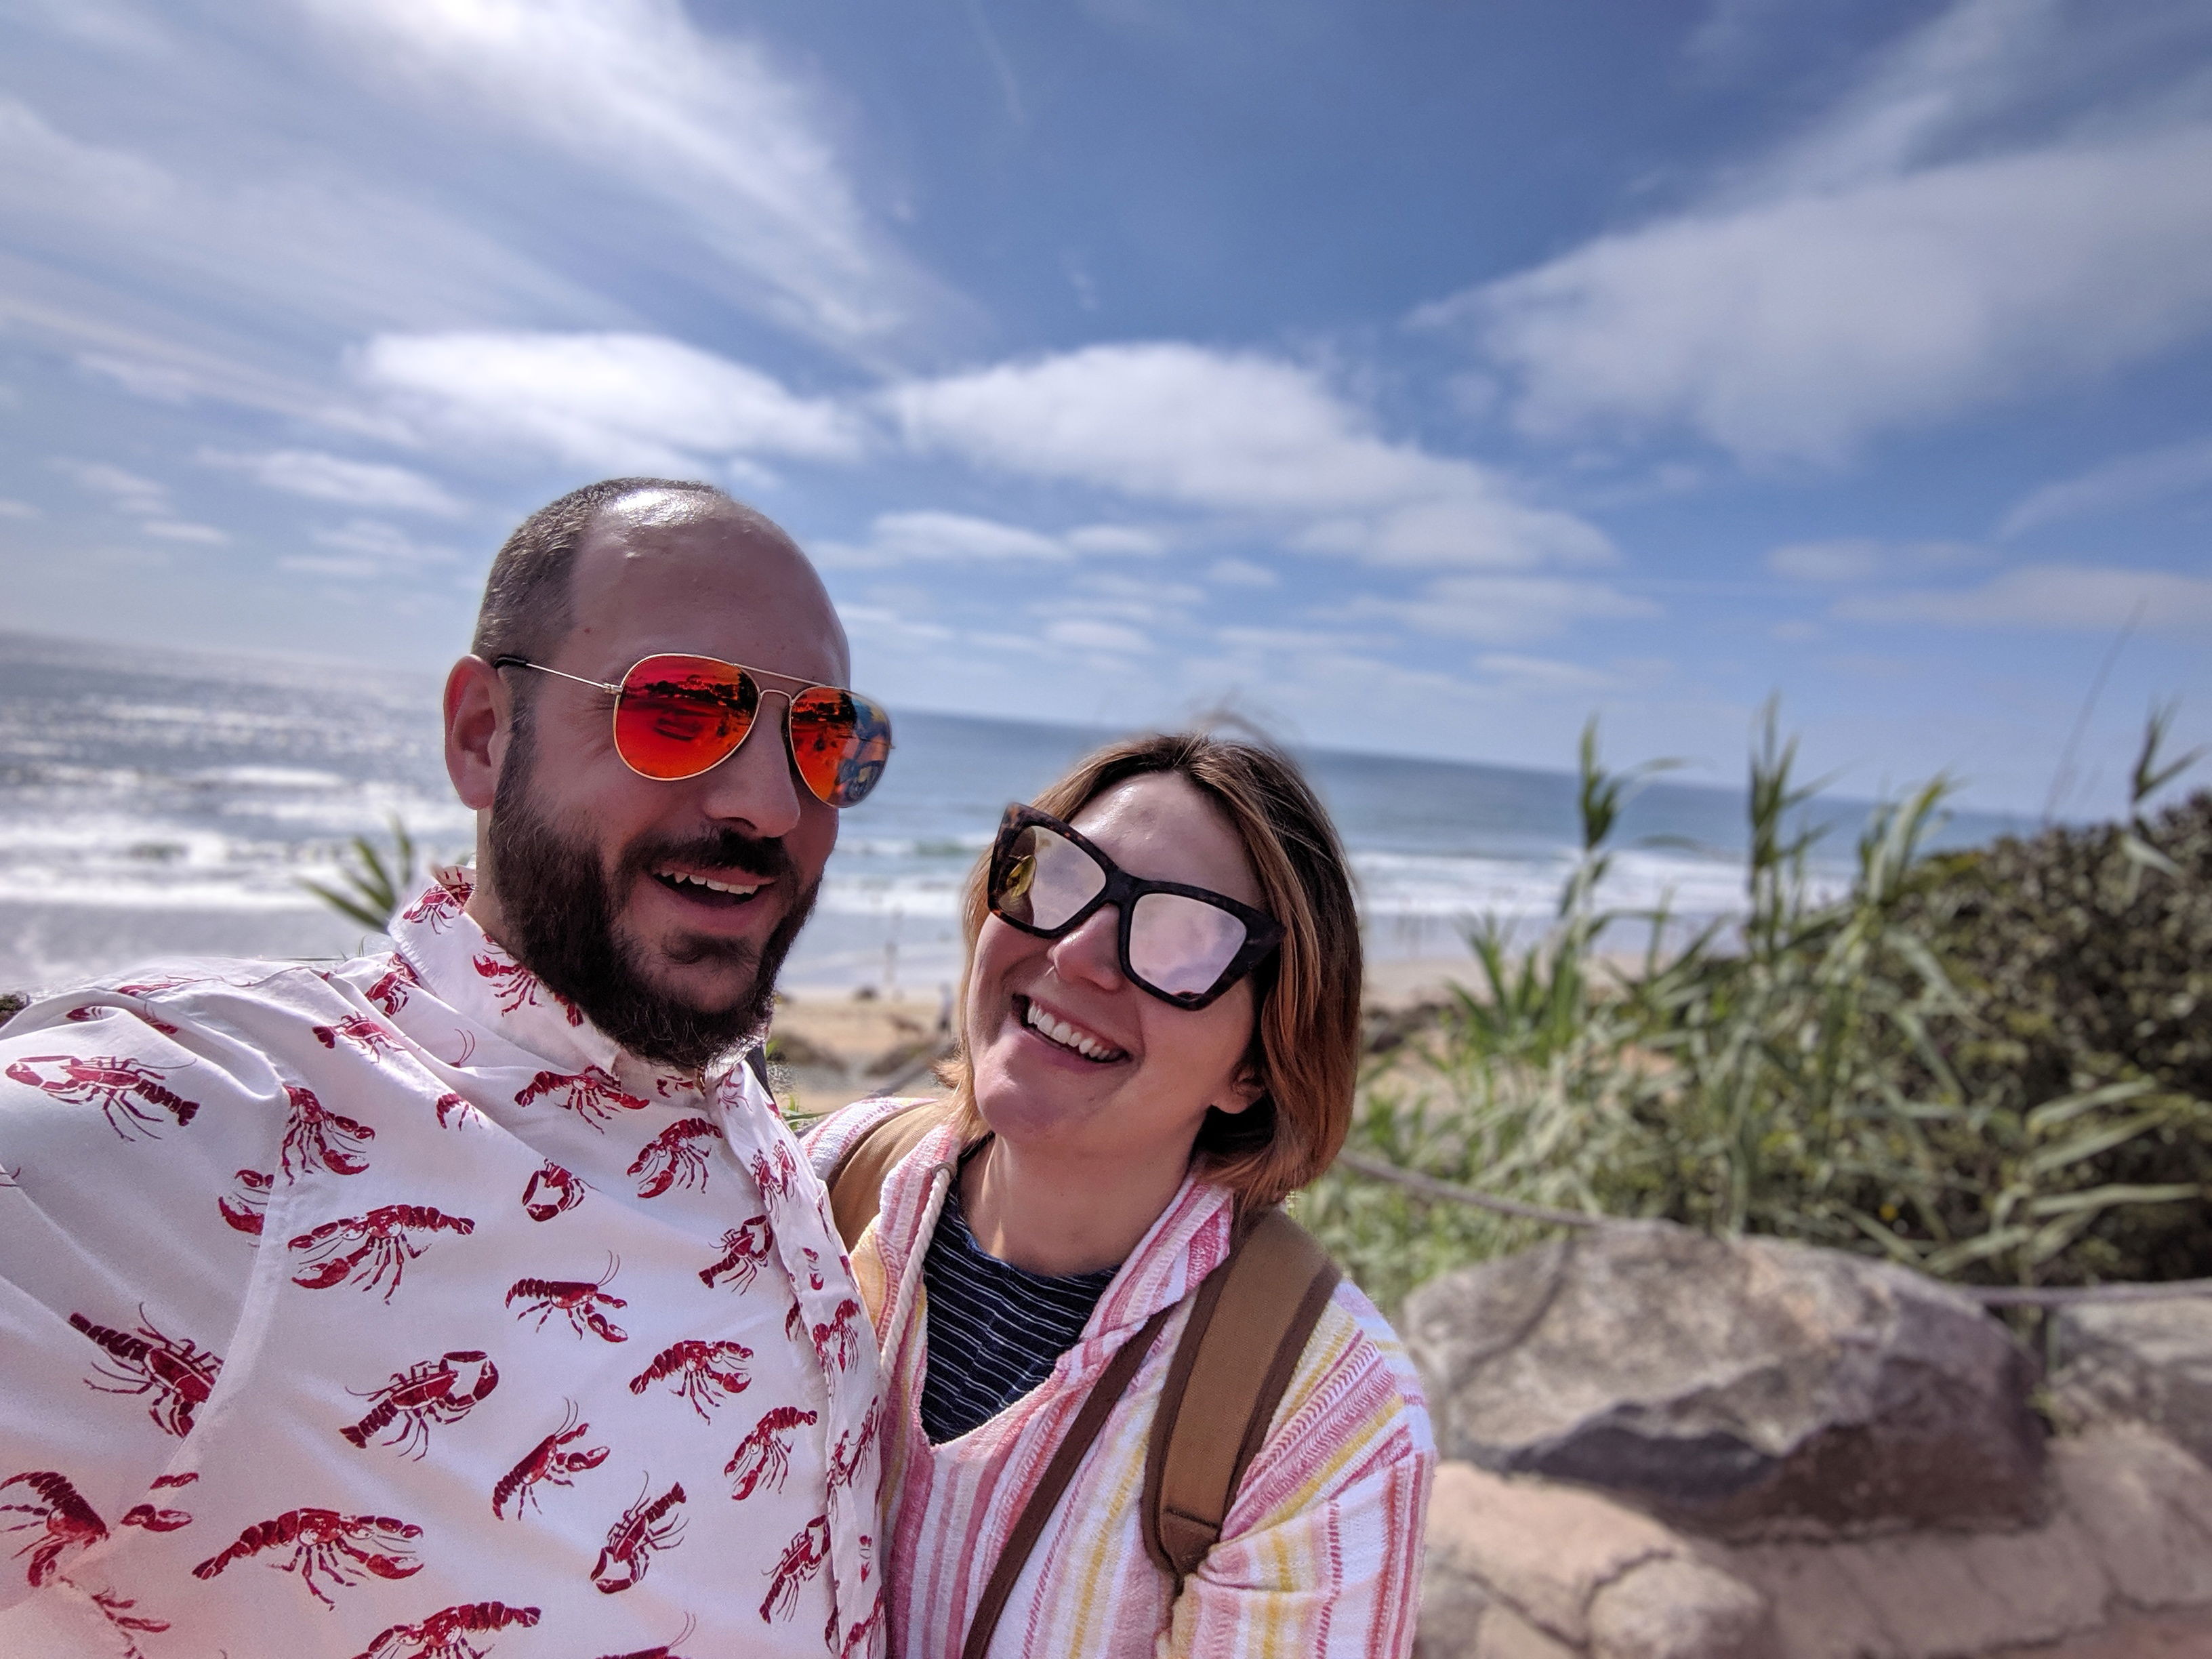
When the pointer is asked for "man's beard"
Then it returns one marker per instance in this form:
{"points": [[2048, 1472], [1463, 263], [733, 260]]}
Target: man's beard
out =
{"points": [[557, 909]]}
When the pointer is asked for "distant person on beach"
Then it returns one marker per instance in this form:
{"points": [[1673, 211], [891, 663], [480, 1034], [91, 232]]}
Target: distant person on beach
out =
{"points": [[1130, 1409], [395, 1307]]}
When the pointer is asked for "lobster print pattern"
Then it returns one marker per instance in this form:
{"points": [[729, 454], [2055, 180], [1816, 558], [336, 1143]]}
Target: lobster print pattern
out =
{"points": [[386, 1310]]}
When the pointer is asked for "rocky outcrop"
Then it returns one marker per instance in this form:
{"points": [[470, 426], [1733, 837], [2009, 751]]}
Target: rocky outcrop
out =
{"points": [[2141, 1362], [1740, 1388], [1520, 1568]]}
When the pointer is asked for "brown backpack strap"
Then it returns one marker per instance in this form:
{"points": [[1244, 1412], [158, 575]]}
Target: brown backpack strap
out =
{"points": [[1247, 1327], [856, 1185], [1113, 1382]]}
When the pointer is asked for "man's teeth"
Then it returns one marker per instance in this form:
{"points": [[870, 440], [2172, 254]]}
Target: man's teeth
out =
{"points": [[1067, 1036], [738, 888]]}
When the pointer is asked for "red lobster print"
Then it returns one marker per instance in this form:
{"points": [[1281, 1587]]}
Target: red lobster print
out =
{"points": [[154, 1520], [704, 1371], [631, 1541], [514, 985], [177, 1375], [838, 1340], [108, 1082], [743, 1250], [674, 1157], [845, 1467], [248, 1209], [374, 1039], [802, 1559], [339, 1547], [319, 1137], [439, 905], [666, 1650], [445, 1634], [857, 1638], [88, 1012], [552, 1191], [440, 1390], [389, 991], [580, 1299], [549, 1461], [450, 1103], [382, 1241], [774, 1180], [762, 1459], [68, 1522], [592, 1095]]}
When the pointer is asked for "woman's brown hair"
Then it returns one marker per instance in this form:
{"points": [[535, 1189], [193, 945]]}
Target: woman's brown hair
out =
{"points": [[1305, 1044]]}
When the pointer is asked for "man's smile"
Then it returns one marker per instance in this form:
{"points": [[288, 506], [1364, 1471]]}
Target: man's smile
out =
{"points": [[721, 892]]}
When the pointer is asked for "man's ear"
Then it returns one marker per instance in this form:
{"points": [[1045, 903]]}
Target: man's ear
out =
{"points": [[478, 718]]}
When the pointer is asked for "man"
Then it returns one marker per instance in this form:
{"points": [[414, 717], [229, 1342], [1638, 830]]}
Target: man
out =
{"points": [[472, 1299]]}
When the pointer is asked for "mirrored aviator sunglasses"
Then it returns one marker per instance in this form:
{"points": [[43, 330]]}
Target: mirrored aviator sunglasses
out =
{"points": [[1184, 944], [677, 715]]}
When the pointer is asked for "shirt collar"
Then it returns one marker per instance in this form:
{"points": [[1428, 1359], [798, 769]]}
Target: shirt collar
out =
{"points": [[476, 978]]}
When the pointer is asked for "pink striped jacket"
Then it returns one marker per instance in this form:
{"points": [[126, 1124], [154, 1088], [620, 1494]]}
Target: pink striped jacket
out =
{"points": [[1320, 1555]]}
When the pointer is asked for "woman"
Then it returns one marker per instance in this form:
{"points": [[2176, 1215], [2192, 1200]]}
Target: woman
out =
{"points": [[1142, 1072]]}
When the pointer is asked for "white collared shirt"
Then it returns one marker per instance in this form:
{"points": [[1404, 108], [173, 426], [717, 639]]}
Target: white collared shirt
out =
{"points": [[388, 1310]]}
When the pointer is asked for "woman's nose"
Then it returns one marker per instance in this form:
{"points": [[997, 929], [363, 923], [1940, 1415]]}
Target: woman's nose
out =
{"points": [[1092, 953]]}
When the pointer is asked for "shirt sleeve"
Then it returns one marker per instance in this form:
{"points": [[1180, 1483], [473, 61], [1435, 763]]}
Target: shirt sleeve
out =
{"points": [[135, 1150], [1321, 1552]]}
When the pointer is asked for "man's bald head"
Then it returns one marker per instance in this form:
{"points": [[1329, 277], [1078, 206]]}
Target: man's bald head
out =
{"points": [[529, 597]]}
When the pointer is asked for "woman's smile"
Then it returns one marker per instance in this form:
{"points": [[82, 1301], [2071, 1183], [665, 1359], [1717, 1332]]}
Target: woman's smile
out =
{"points": [[1064, 1034]]}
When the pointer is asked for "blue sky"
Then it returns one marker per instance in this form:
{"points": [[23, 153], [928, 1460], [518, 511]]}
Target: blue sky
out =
{"points": [[1414, 377]]}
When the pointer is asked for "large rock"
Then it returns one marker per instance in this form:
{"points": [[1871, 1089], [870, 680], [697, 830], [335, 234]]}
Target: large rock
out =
{"points": [[1739, 1387], [2145, 1362]]}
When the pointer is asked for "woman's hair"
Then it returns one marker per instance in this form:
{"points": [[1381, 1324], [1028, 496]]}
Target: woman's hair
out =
{"points": [[1305, 1044]]}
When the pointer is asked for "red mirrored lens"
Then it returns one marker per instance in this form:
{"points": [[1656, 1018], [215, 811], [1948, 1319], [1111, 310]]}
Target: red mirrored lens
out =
{"points": [[677, 715], [840, 742]]}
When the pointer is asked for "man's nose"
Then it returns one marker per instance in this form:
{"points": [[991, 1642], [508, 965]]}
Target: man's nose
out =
{"points": [[756, 790], [1093, 953]]}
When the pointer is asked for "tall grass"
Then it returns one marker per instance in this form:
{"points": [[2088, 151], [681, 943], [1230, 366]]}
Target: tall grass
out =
{"points": [[1793, 1071]]}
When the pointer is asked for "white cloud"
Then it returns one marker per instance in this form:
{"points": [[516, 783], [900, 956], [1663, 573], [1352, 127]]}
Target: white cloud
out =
{"points": [[620, 402], [1543, 673], [382, 546], [179, 530], [1235, 432], [1505, 609], [2053, 596], [1936, 241], [634, 97], [11, 509], [929, 537], [1088, 633], [1239, 572], [326, 478], [128, 492], [1861, 558], [2132, 481]]}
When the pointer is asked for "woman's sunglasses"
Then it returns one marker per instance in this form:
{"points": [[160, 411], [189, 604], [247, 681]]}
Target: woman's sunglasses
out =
{"points": [[1184, 944], [677, 715]]}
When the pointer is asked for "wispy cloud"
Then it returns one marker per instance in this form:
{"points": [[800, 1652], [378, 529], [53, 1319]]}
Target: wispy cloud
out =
{"points": [[325, 478], [622, 402], [2056, 596], [1237, 432], [1505, 610], [1880, 271], [2132, 481]]}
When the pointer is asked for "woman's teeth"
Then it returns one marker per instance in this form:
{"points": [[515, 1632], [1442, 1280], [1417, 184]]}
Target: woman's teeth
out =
{"points": [[1067, 1036]]}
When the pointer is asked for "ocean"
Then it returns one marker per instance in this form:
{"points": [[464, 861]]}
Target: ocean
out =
{"points": [[165, 802]]}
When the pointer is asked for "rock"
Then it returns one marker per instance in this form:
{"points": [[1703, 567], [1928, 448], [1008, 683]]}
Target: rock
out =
{"points": [[1521, 1566], [1680, 1609], [2147, 1507], [1740, 1387], [2146, 1362]]}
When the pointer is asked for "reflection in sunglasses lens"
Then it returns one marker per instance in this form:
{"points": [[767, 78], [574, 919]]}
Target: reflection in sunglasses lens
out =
{"points": [[1049, 879], [1181, 944], [678, 715]]}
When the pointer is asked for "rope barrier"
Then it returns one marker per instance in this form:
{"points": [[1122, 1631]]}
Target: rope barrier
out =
{"points": [[1989, 1296]]}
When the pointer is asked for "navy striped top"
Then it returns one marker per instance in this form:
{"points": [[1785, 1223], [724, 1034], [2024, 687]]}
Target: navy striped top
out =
{"points": [[995, 1332]]}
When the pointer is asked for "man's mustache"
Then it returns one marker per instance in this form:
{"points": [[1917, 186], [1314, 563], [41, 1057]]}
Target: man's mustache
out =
{"points": [[718, 849]]}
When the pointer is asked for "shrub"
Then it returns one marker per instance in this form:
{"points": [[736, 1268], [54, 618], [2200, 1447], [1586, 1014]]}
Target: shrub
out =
{"points": [[1988, 1066]]}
